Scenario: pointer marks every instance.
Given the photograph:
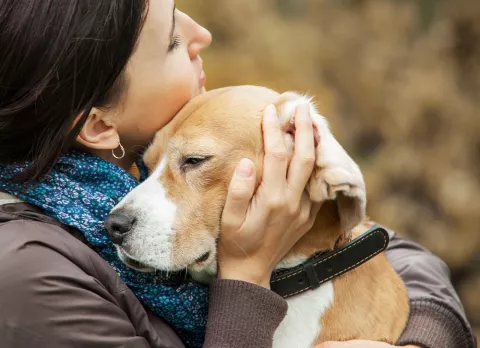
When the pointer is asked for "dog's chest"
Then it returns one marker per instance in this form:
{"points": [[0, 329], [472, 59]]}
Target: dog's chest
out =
{"points": [[301, 326]]}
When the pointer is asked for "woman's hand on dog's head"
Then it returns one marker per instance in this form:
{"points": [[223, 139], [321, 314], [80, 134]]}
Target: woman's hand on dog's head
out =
{"points": [[257, 232]]}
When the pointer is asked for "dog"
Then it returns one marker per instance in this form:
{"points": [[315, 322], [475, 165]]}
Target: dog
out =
{"points": [[172, 220]]}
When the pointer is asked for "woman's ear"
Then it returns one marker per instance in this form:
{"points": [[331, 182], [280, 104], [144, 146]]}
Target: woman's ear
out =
{"points": [[99, 132]]}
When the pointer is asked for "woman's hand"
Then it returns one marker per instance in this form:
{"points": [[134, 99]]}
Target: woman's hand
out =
{"points": [[359, 344], [258, 232]]}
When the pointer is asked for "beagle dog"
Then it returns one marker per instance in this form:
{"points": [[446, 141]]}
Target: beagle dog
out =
{"points": [[337, 282]]}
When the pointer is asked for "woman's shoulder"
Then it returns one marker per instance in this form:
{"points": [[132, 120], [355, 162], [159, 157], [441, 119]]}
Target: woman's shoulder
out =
{"points": [[39, 246], [55, 291], [32, 251]]}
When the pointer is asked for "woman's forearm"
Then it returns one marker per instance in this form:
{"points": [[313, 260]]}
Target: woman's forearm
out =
{"points": [[249, 320], [437, 317]]}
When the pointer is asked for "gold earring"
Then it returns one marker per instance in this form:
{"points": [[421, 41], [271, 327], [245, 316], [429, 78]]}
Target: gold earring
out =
{"points": [[121, 149]]}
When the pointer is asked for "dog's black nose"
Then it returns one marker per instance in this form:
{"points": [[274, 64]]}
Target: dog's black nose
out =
{"points": [[118, 225]]}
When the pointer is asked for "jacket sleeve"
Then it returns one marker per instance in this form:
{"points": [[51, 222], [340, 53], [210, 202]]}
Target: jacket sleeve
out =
{"points": [[242, 315], [437, 318]]}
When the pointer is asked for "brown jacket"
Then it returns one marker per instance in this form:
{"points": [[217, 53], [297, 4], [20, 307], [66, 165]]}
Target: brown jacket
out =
{"points": [[57, 292]]}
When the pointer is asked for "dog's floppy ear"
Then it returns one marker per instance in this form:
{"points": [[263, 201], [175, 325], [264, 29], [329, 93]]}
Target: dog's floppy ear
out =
{"points": [[335, 176]]}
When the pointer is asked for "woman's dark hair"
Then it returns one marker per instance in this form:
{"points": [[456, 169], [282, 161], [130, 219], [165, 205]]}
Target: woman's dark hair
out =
{"points": [[58, 60]]}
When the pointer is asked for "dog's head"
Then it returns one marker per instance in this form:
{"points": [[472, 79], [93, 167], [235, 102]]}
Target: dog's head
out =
{"points": [[172, 220]]}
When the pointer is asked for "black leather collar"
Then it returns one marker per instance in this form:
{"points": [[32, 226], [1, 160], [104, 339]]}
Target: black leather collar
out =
{"points": [[325, 266]]}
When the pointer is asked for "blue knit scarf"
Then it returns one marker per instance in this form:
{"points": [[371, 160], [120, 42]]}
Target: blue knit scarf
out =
{"points": [[80, 192]]}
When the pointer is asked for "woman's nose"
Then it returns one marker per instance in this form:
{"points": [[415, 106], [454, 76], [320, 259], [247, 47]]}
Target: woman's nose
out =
{"points": [[200, 38], [118, 226]]}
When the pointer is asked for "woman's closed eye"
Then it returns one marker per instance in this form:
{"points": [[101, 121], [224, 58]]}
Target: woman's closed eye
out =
{"points": [[175, 43], [175, 38]]}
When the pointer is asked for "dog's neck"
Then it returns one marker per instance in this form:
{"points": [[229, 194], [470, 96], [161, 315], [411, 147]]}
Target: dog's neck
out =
{"points": [[321, 237]]}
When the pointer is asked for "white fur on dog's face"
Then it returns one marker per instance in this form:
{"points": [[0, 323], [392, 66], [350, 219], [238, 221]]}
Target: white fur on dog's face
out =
{"points": [[157, 228], [178, 208]]}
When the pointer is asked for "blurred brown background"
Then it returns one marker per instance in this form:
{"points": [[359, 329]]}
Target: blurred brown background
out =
{"points": [[399, 81]]}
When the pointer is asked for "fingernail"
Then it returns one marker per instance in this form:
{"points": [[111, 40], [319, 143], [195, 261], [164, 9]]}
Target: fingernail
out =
{"points": [[244, 168]]}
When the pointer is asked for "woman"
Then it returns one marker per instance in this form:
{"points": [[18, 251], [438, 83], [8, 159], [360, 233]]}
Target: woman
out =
{"points": [[84, 85]]}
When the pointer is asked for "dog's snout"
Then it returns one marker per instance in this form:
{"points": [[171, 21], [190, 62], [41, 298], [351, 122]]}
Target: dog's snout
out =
{"points": [[118, 225]]}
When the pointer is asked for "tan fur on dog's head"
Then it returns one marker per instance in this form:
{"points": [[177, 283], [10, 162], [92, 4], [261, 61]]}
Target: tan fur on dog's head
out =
{"points": [[192, 160]]}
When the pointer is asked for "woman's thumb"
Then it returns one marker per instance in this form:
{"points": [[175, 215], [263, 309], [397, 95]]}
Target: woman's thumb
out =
{"points": [[240, 192]]}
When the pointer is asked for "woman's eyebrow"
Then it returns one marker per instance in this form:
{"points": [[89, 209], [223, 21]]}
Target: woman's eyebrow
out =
{"points": [[172, 30]]}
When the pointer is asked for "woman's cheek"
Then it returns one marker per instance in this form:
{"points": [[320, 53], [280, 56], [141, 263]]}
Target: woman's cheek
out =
{"points": [[155, 103], [166, 109]]}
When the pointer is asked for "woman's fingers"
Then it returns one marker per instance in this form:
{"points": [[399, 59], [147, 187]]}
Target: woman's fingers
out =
{"points": [[259, 232], [240, 192], [303, 218], [303, 160], [276, 156]]}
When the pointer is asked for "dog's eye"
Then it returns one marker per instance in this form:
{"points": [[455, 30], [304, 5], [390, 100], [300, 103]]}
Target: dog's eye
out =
{"points": [[193, 161]]}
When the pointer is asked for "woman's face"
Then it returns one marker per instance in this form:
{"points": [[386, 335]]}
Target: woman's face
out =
{"points": [[163, 74]]}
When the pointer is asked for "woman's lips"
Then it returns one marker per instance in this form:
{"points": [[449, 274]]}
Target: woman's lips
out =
{"points": [[202, 79]]}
